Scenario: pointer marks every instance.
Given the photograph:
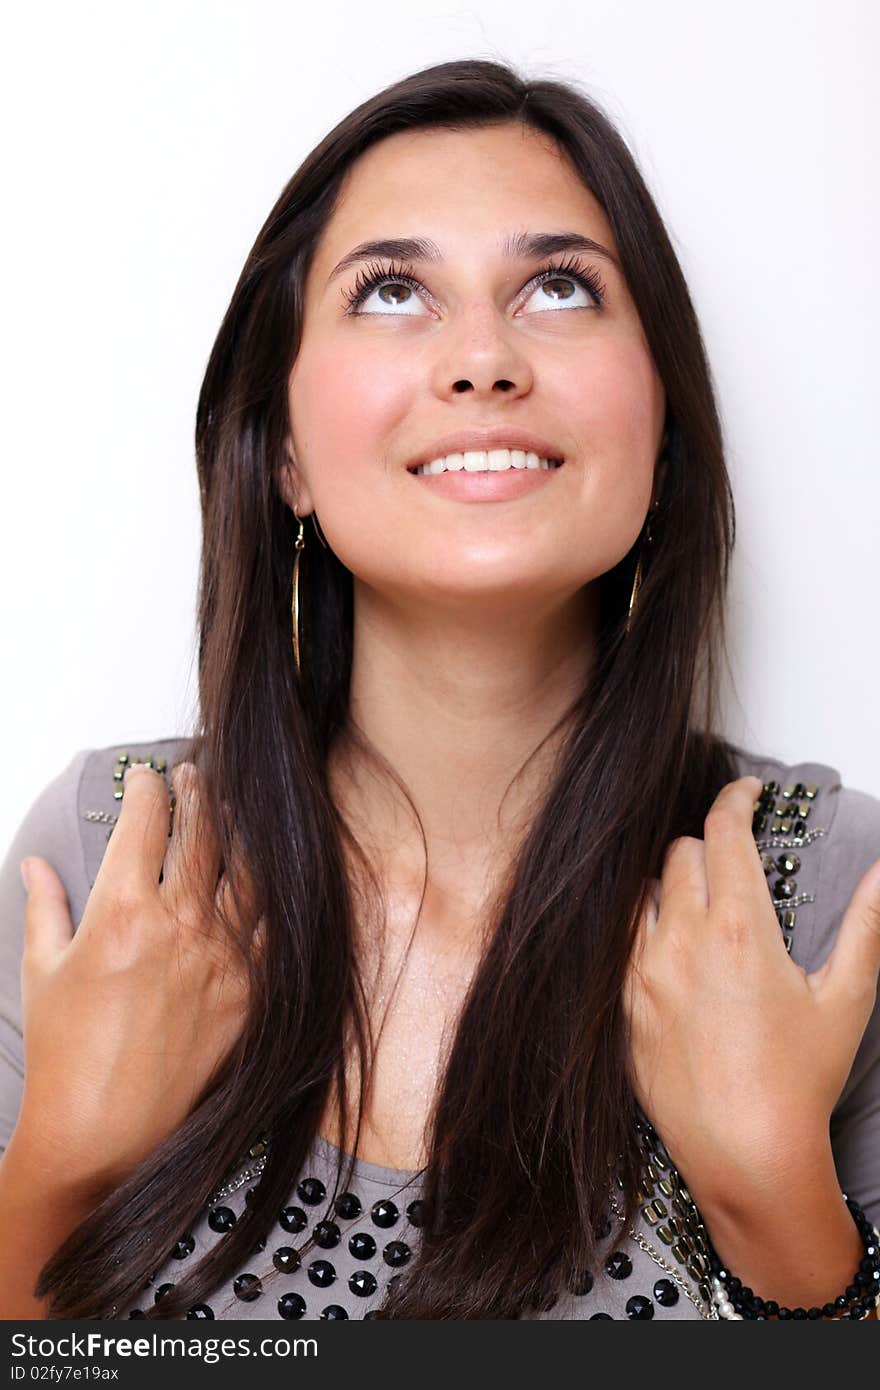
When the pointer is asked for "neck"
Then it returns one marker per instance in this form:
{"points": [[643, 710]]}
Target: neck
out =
{"points": [[457, 702]]}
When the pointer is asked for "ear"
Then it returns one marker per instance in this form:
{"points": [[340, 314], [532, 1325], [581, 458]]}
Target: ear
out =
{"points": [[292, 485]]}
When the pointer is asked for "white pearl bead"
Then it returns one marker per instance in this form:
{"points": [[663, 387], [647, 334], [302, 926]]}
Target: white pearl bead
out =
{"points": [[726, 1309]]}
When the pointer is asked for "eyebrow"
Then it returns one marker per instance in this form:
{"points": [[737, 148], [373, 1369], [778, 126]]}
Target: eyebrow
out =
{"points": [[519, 246]]}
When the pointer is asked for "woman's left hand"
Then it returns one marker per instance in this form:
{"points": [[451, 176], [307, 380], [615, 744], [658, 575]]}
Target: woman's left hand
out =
{"points": [[738, 1055]]}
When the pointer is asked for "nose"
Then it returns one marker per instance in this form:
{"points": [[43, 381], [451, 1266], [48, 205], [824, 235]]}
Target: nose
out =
{"points": [[481, 355]]}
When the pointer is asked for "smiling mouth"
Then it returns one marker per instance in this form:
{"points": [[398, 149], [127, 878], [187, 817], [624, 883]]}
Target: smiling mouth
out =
{"points": [[485, 461]]}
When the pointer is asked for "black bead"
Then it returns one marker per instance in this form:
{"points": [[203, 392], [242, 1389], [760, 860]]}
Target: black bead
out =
{"points": [[618, 1265], [200, 1310], [606, 1317], [139, 1313], [247, 1287], [321, 1273], [362, 1245], [829, 1310], [286, 1259], [327, 1234], [784, 1314], [162, 1290], [397, 1252], [333, 1310], [799, 1314], [841, 1301], [311, 1191], [185, 1246], [348, 1206], [384, 1212], [416, 1212], [362, 1283], [372, 1313], [852, 1292], [814, 1313], [856, 1312], [639, 1308], [581, 1284], [771, 1308], [221, 1219], [666, 1293], [291, 1305], [293, 1219]]}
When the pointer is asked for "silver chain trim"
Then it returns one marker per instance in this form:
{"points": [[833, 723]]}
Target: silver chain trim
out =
{"points": [[253, 1170], [791, 841], [645, 1244]]}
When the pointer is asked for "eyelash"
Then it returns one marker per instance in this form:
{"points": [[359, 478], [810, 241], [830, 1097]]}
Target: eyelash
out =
{"points": [[374, 275]]}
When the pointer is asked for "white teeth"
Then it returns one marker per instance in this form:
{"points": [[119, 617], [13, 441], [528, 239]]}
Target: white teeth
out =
{"points": [[485, 461], [477, 462]]}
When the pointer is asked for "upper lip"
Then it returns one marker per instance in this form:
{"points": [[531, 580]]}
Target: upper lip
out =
{"points": [[502, 437]]}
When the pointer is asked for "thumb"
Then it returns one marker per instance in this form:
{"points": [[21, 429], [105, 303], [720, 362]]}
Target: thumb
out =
{"points": [[853, 964], [48, 927]]}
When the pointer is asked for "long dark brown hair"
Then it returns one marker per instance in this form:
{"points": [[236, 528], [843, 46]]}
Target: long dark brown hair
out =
{"points": [[521, 1136]]}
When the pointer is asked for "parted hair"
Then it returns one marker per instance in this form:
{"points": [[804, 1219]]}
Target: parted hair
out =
{"points": [[535, 1103]]}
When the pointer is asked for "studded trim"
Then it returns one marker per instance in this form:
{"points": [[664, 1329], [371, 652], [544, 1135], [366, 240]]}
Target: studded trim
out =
{"points": [[122, 762], [784, 811]]}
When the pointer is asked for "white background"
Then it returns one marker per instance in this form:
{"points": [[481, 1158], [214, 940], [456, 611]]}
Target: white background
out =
{"points": [[146, 146]]}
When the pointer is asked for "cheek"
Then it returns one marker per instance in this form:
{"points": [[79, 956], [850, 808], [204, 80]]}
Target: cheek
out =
{"points": [[612, 398], [614, 403], [343, 406]]}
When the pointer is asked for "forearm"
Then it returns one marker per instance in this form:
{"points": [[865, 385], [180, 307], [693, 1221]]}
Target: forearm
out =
{"points": [[787, 1235], [35, 1220]]}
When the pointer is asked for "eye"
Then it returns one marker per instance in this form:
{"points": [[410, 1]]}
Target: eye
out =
{"points": [[395, 291], [559, 285]]}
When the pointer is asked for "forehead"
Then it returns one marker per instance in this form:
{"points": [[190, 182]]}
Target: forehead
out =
{"points": [[458, 186]]}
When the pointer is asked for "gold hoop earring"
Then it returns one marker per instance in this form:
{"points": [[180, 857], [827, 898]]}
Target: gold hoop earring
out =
{"points": [[637, 577], [294, 607]]}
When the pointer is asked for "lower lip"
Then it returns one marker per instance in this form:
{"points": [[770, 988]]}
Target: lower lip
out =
{"points": [[487, 486]]}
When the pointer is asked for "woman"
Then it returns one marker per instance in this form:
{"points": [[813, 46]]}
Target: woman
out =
{"points": [[460, 883]]}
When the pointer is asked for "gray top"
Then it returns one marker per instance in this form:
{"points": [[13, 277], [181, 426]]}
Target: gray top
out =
{"points": [[367, 1235]]}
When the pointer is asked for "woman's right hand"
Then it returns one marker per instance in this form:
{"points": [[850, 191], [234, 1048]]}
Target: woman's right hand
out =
{"points": [[127, 1019]]}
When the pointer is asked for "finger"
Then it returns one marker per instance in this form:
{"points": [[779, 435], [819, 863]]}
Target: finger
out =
{"points": [[48, 926], [853, 965], [733, 864], [192, 860], [683, 886], [136, 848]]}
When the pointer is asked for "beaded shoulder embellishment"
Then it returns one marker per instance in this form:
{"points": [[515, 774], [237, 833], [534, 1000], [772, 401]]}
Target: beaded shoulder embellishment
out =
{"points": [[780, 824], [122, 762]]}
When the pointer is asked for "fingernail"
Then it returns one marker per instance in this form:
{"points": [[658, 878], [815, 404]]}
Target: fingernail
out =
{"points": [[25, 871]]}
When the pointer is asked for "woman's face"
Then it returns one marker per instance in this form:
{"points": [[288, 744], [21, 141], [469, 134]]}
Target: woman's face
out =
{"points": [[481, 343]]}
